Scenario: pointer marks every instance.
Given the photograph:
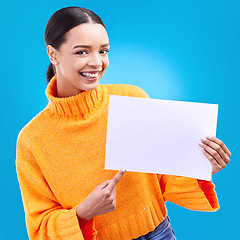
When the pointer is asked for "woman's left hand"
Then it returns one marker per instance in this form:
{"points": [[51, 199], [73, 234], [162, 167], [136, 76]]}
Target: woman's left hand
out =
{"points": [[216, 152]]}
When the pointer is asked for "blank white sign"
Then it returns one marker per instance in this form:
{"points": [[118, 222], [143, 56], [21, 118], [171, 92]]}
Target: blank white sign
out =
{"points": [[159, 136]]}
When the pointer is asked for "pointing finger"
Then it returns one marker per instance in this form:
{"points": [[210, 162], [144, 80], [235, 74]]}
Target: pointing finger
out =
{"points": [[115, 179], [104, 184]]}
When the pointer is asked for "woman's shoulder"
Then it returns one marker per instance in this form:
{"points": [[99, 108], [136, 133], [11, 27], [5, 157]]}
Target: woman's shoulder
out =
{"points": [[32, 129], [125, 90]]}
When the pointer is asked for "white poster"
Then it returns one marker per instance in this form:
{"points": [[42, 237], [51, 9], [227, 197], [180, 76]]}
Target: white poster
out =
{"points": [[159, 136]]}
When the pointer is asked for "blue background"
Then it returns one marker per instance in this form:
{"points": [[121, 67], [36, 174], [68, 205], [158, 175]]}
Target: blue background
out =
{"points": [[178, 50]]}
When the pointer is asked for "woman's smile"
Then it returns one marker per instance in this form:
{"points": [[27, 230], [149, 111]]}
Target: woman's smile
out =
{"points": [[90, 76]]}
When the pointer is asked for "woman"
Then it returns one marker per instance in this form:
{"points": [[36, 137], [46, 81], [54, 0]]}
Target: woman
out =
{"points": [[60, 153]]}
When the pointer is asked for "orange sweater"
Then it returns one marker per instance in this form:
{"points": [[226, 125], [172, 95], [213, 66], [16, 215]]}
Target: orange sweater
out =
{"points": [[60, 160]]}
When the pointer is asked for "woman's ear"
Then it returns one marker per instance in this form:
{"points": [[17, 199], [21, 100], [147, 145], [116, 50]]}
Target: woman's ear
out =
{"points": [[52, 53]]}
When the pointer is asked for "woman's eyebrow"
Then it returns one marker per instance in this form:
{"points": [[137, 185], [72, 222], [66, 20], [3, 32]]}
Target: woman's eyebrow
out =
{"points": [[105, 45], [87, 46]]}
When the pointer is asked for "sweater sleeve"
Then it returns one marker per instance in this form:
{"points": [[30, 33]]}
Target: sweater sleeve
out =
{"points": [[45, 217], [190, 193]]}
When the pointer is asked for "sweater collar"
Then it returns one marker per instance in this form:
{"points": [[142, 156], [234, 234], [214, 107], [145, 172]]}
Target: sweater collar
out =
{"points": [[80, 104]]}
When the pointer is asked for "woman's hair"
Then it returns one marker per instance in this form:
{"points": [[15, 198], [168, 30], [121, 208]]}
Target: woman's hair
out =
{"points": [[63, 21]]}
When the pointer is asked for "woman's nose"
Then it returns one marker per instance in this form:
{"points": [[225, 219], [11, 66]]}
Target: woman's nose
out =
{"points": [[95, 60]]}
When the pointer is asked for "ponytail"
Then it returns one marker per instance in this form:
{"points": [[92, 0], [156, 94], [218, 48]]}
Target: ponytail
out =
{"points": [[50, 72]]}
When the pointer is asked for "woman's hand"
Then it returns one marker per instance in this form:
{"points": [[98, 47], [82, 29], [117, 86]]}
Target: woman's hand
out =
{"points": [[216, 152], [101, 200]]}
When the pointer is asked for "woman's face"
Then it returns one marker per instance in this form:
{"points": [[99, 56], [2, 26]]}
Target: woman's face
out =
{"points": [[82, 60]]}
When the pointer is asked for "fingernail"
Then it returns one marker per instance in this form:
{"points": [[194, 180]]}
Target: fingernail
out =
{"points": [[210, 137], [124, 170], [201, 144], [204, 139]]}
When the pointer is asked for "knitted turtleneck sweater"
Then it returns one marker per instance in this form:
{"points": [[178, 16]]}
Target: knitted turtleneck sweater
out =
{"points": [[60, 160]]}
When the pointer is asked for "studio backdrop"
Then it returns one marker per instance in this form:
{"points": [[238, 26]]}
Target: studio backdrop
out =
{"points": [[176, 50]]}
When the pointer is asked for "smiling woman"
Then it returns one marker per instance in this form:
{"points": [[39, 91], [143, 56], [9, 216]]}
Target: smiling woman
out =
{"points": [[78, 50], [82, 60], [61, 152]]}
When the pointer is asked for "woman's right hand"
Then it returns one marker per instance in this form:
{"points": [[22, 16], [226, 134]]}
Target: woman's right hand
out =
{"points": [[101, 200]]}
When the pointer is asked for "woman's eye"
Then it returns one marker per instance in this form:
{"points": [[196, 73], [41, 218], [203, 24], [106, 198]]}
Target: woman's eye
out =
{"points": [[105, 51], [82, 52]]}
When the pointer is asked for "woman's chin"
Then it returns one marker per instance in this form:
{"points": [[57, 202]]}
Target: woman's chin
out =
{"points": [[91, 87]]}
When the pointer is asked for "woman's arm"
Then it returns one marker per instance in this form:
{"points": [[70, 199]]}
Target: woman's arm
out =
{"points": [[45, 217]]}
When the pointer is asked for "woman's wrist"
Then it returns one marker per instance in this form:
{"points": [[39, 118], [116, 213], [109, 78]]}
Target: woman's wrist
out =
{"points": [[82, 213]]}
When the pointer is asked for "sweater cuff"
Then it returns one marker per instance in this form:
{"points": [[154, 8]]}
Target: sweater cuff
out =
{"points": [[68, 225], [208, 189], [88, 230], [198, 195]]}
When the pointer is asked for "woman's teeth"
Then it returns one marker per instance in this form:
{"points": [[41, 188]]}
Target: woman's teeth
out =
{"points": [[90, 75]]}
